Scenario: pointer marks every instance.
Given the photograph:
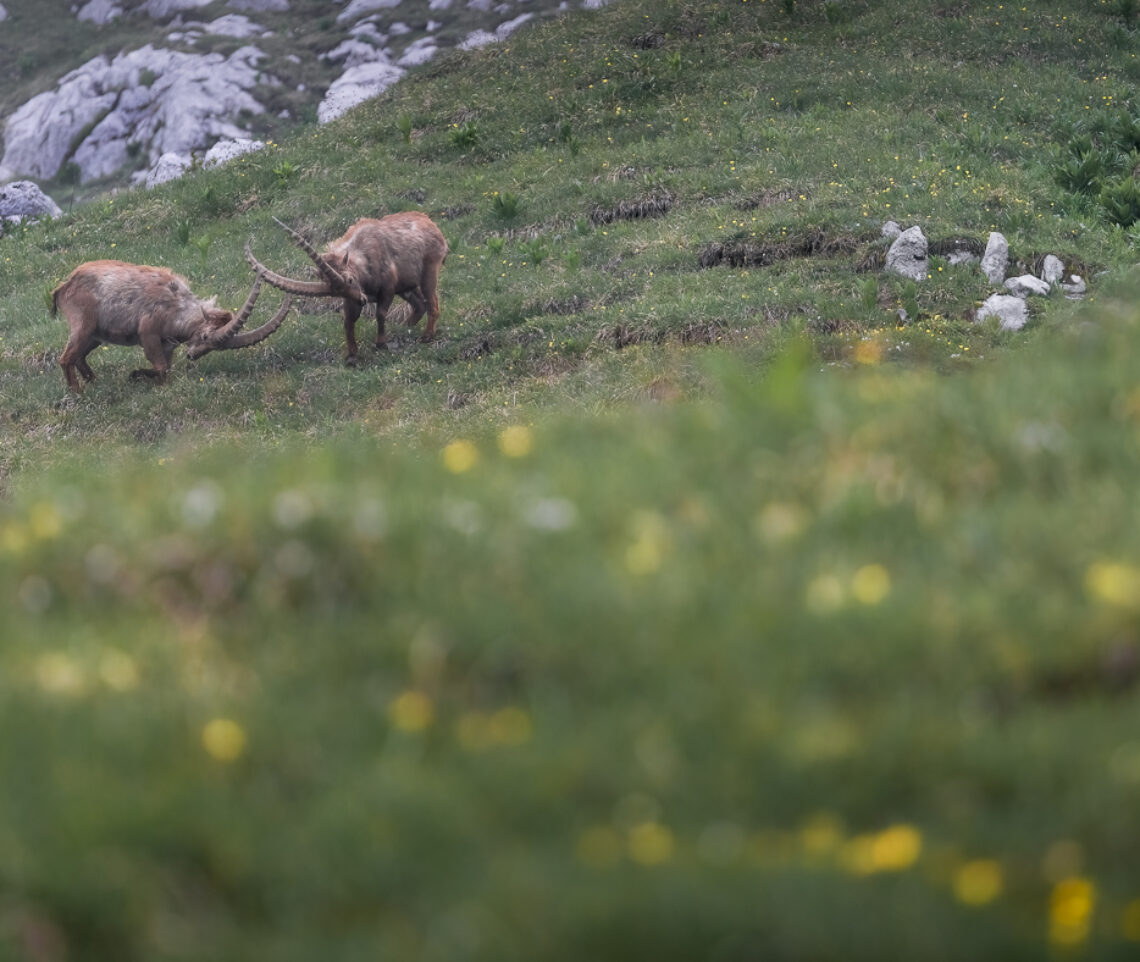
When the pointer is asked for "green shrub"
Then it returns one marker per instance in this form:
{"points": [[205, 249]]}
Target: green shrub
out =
{"points": [[1121, 201]]}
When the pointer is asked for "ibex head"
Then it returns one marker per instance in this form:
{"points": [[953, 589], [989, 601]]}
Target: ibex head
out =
{"points": [[338, 278], [219, 330]]}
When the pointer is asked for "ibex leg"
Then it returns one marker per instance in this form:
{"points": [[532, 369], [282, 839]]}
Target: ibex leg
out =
{"points": [[159, 354], [418, 304], [428, 284], [77, 348], [383, 302], [351, 313]]}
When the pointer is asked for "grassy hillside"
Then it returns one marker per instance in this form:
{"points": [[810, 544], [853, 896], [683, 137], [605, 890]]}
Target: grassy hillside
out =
{"points": [[660, 607]]}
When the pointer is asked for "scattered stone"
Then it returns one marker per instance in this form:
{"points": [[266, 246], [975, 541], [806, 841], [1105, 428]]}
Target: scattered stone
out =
{"points": [[1010, 311], [1027, 285], [891, 230], [355, 52], [996, 258], [260, 6], [958, 258], [1052, 270], [3, 13], [236, 25], [163, 9], [100, 11], [356, 85], [480, 38], [226, 150], [24, 200], [418, 52], [909, 254], [170, 166], [1075, 287], [361, 8]]}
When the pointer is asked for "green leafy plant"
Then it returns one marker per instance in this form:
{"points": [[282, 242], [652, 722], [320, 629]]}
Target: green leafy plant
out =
{"points": [[404, 125], [465, 137], [284, 171], [1121, 201], [909, 298], [535, 251], [1081, 167], [870, 293], [507, 205], [202, 246]]}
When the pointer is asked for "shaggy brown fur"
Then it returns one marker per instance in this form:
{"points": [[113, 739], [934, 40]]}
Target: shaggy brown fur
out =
{"points": [[375, 260], [109, 302]]}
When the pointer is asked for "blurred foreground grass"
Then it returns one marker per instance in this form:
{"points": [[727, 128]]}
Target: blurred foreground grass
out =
{"points": [[834, 665]]}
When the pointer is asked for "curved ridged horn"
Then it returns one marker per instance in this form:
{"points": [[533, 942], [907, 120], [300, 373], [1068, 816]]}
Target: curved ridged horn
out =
{"points": [[287, 284], [223, 334], [246, 338], [331, 275]]}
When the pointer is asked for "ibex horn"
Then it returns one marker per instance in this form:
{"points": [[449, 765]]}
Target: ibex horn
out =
{"points": [[287, 284], [332, 276], [246, 338], [223, 334]]}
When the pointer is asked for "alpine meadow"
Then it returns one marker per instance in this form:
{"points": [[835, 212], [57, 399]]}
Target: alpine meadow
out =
{"points": [[702, 590]]}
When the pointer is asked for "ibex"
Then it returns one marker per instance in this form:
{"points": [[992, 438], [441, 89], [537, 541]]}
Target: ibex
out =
{"points": [[375, 260], [109, 302]]}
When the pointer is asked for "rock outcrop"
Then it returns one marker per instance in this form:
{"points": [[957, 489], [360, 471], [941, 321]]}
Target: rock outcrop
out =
{"points": [[23, 200], [145, 114], [138, 106]]}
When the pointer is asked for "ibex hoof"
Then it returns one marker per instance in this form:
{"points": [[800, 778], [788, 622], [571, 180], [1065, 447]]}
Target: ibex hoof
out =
{"points": [[382, 345], [427, 338], [351, 361]]}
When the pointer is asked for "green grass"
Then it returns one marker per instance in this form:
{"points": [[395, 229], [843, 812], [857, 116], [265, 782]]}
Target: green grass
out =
{"points": [[652, 610]]}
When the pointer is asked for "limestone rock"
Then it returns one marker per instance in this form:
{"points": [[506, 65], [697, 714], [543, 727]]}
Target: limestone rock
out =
{"points": [[996, 258], [1074, 287], [1010, 311], [99, 11], [1052, 269], [235, 25], [163, 9], [357, 84], [1027, 285], [418, 52], [3, 12], [24, 200], [152, 100], [479, 38], [259, 6], [909, 254], [226, 150], [170, 166], [890, 229], [361, 8]]}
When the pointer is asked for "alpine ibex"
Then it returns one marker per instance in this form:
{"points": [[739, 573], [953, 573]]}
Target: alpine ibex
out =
{"points": [[375, 260], [109, 302]]}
